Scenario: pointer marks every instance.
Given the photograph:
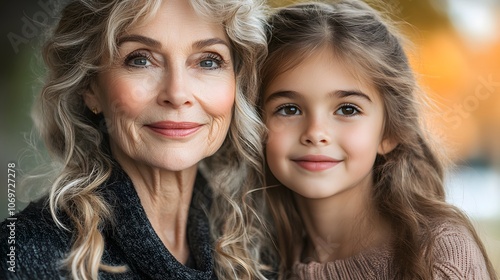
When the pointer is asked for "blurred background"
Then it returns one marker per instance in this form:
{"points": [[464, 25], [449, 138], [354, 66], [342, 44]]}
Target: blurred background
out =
{"points": [[456, 52]]}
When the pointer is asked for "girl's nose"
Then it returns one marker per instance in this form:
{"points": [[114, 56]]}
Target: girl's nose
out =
{"points": [[315, 133]]}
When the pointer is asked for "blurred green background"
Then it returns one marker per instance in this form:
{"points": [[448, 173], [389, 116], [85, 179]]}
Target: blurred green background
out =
{"points": [[456, 52]]}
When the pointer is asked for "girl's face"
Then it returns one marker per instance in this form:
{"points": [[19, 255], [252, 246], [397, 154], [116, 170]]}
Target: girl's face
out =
{"points": [[325, 128], [168, 98]]}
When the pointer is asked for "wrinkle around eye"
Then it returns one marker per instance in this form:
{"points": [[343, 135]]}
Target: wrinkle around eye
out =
{"points": [[144, 57], [211, 61]]}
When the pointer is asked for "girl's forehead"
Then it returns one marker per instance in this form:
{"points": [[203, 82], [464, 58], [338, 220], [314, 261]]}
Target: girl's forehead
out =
{"points": [[328, 59], [320, 75]]}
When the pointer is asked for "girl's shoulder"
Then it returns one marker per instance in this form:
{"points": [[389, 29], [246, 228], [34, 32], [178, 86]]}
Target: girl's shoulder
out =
{"points": [[452, 240], [373, 263], [33, 243], [457, 254]]}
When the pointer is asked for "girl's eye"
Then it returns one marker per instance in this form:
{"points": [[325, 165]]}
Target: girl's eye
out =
{"points": [[138, 59], [347, 110], [288, 110], [211, 61]]}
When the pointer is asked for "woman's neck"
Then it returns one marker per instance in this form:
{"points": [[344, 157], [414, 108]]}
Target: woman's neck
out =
{"points": [[342, 225], [165, 197]]}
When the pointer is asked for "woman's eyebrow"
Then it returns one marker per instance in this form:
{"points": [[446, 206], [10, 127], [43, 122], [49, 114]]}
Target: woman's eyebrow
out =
{"points": [[157, 44], [210, 42], [140, 39]]}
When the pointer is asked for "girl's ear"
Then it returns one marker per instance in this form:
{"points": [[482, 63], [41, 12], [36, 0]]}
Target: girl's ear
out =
{"points": [[386, 146]]}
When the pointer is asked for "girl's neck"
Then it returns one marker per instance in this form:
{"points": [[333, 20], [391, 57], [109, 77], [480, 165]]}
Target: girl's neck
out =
{"points": [[341, 226]]}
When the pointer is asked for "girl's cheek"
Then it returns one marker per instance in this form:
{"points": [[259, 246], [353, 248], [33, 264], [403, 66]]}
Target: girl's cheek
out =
{"points": [[281, 125]]}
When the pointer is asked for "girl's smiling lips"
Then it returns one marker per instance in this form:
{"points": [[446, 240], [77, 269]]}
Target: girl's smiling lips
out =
{"points": [[316, 162], [174, 129]]}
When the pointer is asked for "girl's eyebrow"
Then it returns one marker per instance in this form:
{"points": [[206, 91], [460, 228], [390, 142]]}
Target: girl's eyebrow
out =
{"points": [[281, 94], [347, 93], [338, 94]]}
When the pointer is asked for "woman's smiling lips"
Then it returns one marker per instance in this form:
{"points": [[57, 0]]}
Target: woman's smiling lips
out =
{"points": [[316, 162], [174, 129]]}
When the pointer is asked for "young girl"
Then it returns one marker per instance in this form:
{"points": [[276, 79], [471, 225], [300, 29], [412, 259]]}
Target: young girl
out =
{"points": [[360, 192]]}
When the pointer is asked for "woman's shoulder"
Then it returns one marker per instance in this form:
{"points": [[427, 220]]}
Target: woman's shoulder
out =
{"points": [[457, 254], [34, 223], [33, 243]]}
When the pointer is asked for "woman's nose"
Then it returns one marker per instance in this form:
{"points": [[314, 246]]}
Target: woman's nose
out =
{"points": [[175, 90]]}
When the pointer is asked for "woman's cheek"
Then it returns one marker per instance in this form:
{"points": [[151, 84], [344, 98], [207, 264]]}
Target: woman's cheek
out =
{"points": [[221, 100], [129, 96]]}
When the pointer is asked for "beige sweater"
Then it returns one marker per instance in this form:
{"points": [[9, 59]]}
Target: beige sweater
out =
{"points": [[457, 257]]}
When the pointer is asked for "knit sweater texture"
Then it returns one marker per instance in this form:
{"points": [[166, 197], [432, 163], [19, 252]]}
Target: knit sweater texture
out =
{"points": [[131, 241], [457, 257]]}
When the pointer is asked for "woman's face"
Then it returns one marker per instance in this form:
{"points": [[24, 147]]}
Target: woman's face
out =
{"points": [[168, 98]]}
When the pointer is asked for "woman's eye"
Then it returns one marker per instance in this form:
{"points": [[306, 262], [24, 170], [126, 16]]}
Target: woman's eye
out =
{"points": [[211, 61], [137, 59], [208, 64], [141, 62], [288, 110], [347, 110]]}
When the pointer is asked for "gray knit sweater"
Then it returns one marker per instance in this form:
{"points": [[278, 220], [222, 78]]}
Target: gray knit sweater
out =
{"points": [[40, 245], [457, 257]]}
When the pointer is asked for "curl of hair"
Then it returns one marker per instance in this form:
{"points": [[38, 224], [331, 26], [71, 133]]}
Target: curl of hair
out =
{"points": [[81, 45], [408, 181], [236, 169]]}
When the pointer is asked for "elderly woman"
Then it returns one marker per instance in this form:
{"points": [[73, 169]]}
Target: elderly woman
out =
{"points": [[142, 97]]}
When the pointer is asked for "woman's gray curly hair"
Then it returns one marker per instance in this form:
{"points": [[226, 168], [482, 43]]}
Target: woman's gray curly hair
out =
{"points": [[82, 43]]}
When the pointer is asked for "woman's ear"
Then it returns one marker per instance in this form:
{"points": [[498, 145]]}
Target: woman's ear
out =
{"points": [[387, 145], [91, 100]]}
